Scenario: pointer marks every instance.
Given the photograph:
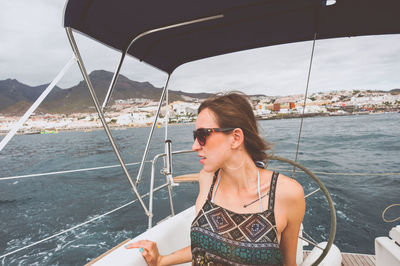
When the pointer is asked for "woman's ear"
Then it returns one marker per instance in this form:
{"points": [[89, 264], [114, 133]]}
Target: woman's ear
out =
{"points": [[238, 138]]}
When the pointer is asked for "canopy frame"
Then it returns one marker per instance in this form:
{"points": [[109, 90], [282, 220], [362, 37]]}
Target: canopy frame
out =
{"points": [[141, 35], [102, 117]]}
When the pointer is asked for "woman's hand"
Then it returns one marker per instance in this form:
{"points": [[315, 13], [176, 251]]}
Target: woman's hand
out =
{"points": [[149, 251]]}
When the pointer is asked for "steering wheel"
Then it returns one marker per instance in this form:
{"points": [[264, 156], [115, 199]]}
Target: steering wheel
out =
{"points": [[328, 197]]}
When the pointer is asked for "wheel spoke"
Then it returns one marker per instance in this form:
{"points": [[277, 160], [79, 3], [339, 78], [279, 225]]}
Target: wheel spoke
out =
{"points": [[311, 242], [311, 193]]}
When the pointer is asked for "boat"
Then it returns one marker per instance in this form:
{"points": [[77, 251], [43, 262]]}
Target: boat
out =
{"points": [[174, 33], [48, 131]]}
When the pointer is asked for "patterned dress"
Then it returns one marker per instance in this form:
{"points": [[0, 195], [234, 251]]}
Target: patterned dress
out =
{"points": [[222, 237]]}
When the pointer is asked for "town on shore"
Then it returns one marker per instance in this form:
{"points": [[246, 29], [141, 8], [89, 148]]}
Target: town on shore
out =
{"points": [[140, 112]]}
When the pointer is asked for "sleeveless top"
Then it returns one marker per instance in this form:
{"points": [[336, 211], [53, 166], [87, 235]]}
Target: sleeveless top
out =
{"points": [[223, 237]]}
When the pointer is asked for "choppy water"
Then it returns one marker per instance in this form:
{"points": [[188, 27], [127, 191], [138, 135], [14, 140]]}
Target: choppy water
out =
{"points": [[34, 208]]}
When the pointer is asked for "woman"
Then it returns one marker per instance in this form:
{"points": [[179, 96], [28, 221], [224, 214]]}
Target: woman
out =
{"points": [[244, 214]]}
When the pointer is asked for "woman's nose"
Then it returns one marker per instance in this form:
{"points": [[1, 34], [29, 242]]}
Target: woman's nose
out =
{"points": [[196, 146]]}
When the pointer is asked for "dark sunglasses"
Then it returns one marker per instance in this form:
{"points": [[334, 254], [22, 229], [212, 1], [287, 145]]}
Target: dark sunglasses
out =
{"points": [[202, 133]]}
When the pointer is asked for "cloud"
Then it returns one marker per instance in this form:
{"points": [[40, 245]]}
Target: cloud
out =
{"points": [[34, 48]]}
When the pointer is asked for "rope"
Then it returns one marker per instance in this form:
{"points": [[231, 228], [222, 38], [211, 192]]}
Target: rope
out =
{"points": [[355, 174], [340, 173], [129, 164], [68, 171], [384, 211], [76, 226], [67, 230], [305, 100], [36, 104]]}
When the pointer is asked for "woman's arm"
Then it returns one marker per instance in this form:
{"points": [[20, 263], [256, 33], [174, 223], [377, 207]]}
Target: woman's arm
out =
{"points": [[177, 257], [153, 258], [150, 250], [295, 213]]}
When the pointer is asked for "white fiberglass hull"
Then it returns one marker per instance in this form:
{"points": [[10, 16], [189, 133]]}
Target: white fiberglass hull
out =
{"points": [[173, 234]]}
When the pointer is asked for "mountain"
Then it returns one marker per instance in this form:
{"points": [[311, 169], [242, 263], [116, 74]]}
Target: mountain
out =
{"points": [[394, 91], [16, 97]]}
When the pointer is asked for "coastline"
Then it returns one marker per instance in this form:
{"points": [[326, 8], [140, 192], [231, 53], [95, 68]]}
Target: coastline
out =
{"points": [[34, 131]]}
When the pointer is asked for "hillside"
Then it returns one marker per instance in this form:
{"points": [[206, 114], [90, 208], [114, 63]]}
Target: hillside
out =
{"points": [[16, 97]]}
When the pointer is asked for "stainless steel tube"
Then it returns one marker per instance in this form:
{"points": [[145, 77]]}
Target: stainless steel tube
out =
{"points": [[113, 82], [101, 115], [146, 150], [115, 77]]}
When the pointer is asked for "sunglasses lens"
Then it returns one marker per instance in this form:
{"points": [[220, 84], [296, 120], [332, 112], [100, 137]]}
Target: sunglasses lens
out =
{"points": [[202, 139], [201, 135]]}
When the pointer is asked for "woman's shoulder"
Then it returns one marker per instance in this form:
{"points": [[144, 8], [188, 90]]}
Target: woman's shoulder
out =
{"points": [[289, 189], [205, 182], [205, 178]]}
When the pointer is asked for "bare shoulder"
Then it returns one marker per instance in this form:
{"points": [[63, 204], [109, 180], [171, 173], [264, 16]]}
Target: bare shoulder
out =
{"points": [[291, 196], [289, 188], [205, 181]]}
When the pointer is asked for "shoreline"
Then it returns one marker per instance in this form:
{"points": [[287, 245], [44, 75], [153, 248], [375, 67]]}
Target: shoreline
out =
{"points": [[306, 115], [36, 131]]}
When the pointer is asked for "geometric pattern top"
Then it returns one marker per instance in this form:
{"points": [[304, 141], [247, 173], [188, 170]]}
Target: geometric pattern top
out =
{"points": [[223, 237]]}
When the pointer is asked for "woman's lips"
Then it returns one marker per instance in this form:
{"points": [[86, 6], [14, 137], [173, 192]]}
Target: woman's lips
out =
{"points": [[202, 159]]}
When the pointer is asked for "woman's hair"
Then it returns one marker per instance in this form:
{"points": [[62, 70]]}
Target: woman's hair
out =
{"points": [[233, 110]]}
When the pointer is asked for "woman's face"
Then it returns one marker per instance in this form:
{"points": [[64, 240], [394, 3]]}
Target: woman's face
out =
{"points": [[218, 144]]}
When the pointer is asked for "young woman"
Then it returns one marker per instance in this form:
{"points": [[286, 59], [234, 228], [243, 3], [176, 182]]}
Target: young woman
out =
{"points": [[245, 215]]}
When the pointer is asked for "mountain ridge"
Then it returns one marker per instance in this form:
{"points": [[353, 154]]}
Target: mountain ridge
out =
{"points": [[16, 97]]}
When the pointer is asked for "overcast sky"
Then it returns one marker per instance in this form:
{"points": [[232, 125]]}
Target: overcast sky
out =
{"points": [[34, 48]]}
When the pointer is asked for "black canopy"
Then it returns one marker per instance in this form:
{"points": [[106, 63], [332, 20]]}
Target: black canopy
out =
{"points": [[245, 24]]}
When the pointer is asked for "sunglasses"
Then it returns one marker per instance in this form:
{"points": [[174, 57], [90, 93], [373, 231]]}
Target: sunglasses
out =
{"points": [[202, 133]]}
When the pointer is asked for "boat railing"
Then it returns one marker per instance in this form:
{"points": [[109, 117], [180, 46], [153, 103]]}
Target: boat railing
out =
{"points": [[169, 182]]}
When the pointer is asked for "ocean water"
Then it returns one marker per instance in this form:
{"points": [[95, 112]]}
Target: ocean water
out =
{"points": [[34, 208]]}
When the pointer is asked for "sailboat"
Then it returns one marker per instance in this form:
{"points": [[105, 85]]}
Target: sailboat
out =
{"points": [[169, 34]]}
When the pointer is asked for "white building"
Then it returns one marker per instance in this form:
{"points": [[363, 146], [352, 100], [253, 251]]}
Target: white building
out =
{"points": [[311, 109], [184, 108], [136, 118]]}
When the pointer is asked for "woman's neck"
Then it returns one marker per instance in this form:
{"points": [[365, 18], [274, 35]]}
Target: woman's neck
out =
{"points": [[239, 172]]}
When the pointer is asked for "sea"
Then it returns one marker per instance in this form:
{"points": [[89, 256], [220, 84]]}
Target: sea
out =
{"points": [[357, 158]]}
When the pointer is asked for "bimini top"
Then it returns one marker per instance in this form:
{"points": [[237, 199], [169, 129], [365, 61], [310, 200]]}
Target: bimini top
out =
{"points": [[234, 25]]}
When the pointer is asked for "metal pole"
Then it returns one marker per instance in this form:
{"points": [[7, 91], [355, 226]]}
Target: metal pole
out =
{"points": [[101, 115], [168, 169], [171, 203], [168, 158], [113, 82], [151, 132], [166, 117], [35, 105], [115, 77], [151, 193], [152, 190]]}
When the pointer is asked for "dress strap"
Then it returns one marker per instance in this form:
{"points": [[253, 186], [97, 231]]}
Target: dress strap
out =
{"points": [[259, 189], [210, 193], [271, 200]]}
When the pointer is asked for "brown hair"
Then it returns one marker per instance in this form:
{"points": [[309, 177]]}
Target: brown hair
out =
{"points": [[233, 110]]}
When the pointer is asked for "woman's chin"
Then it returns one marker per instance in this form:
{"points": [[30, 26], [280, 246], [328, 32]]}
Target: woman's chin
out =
{"points": [[209, 168]]}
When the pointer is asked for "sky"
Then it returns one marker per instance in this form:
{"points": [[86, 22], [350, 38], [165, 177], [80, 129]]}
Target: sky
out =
{"points": [[34, 48]]}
